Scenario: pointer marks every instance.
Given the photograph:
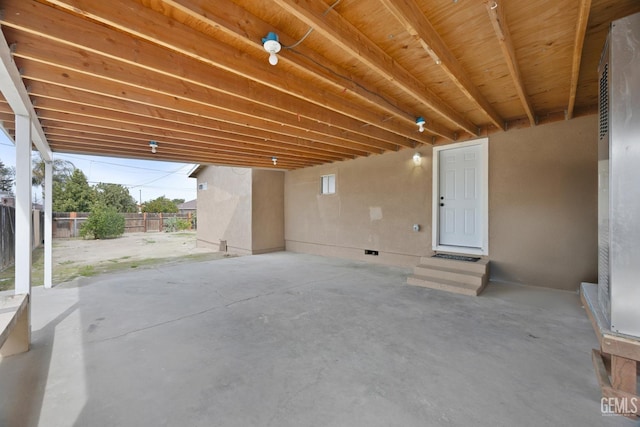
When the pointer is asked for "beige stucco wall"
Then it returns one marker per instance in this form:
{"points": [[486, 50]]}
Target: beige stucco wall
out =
{"points": [[377, 201], [542, 202], [224, 208], [267, 211]]}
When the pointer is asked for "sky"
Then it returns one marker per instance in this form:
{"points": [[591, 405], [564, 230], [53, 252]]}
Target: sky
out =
{"points": [[145, 179]]}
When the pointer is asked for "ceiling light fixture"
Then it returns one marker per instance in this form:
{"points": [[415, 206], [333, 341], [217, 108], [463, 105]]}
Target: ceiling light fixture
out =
{"points": [[274, 159], [272, 45], [420, 122], [154, 146]]}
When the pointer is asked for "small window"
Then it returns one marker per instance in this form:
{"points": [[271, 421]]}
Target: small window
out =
{"points": [[202, 186], [328, 184]]}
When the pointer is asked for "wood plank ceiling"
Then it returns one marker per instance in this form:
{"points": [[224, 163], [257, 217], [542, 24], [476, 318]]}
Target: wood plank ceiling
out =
{"points": [[107, 77]]}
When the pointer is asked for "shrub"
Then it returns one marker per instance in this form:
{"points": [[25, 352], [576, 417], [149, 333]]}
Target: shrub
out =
{"points": [[176, 224], [103, 223]]}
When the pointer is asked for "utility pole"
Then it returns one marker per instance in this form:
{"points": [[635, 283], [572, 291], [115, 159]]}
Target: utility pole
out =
{"points": [[140, 200]]}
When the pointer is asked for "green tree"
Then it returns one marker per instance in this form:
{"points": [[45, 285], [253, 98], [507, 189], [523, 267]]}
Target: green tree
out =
{"points": [[104, 222], [161, 204], [73, 195], [178, 201], [7, 176], [62, 170], [116, 196]]}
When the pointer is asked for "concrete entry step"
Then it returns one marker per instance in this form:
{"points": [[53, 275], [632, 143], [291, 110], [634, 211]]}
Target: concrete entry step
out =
{"points": [[480, 266], [461, 277], [467, 277]]}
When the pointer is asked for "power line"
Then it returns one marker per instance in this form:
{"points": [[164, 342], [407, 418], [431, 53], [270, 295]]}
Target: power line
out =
{"points": [[118, 164]]}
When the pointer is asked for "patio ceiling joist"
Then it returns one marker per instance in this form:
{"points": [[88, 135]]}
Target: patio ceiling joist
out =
{"points": [[198, 102], [352, 76], [416, 24], [16, 95], [581, 29], [342, 34], [116, 46], [499, 22], [50, 110], [247, 29], [185, 41]]}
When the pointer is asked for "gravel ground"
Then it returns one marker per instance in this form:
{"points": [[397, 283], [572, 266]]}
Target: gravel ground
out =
{"points": [[131, 246], [73, 258]]}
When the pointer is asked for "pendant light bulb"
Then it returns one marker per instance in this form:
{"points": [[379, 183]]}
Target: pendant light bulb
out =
{"points": [[272, 45], [420, 122]]}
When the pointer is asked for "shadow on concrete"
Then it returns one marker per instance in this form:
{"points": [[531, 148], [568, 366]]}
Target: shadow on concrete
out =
{"points": [[28, 374]]}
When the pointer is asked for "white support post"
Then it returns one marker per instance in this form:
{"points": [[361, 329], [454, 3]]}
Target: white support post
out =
{"points": [[48, 224], [23, 239]]}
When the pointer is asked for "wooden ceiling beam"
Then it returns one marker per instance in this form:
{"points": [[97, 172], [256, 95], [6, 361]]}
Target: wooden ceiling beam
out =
{"points": [[80, 105], [499, 22], [236, 22], [140, 22], [175, 90], [109, 145], [140, 86], [581, 29], [59, 128], [72, 123], [49, 108], [409, 14], [345, 36], [74, 148], [50, 82]]}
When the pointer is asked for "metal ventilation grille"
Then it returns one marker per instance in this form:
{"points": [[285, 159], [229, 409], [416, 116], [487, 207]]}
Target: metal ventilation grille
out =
{"points": [[603, 104]]}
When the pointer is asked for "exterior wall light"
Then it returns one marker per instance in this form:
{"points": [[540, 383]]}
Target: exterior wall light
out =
{"points": [[272, 45], [417, 159]]}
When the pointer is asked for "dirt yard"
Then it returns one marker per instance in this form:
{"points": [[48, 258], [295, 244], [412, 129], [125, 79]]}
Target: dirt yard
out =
{"points": [[131, 246], [74, 258]]}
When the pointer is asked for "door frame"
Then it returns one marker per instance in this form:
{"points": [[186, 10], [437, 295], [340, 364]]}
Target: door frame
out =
{"points": [[484, 208]]}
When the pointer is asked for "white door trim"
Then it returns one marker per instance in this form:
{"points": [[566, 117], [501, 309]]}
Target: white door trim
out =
{"points": [[435, 226]]}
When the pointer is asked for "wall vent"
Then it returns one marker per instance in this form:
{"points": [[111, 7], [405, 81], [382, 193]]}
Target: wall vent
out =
{"points": [[370, 252], [603, 103]]}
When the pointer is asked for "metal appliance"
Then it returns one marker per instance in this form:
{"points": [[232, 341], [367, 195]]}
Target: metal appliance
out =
{"points": [[619, 177]]}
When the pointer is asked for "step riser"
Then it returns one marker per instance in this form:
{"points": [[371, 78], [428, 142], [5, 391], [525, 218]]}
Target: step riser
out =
{"points": [[442, 287], [476, 267], [458, 276]]}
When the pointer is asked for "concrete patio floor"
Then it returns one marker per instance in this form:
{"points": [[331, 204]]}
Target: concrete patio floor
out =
{"points": [[295, 340]]}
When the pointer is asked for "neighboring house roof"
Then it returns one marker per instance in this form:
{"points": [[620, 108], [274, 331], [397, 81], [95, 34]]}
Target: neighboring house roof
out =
{"points": [[193, 173], [188, 206]]}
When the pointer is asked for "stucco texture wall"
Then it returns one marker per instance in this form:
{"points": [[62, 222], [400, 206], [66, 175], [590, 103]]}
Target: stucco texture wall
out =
{"points": [[542, 206], [243, 206], [224, 208], [267, 211], [377, 201]]}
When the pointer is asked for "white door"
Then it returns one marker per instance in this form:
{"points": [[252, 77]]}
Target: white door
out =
{"points": [[460, 197]]}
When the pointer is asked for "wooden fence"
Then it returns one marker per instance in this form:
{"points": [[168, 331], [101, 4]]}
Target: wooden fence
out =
{"points": [[67, 224], [8, 234]]}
